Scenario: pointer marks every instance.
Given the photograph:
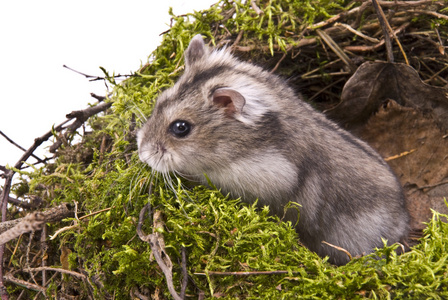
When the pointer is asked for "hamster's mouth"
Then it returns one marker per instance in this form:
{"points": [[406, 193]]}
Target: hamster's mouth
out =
{"points": [[157, 164], [155, 158]]}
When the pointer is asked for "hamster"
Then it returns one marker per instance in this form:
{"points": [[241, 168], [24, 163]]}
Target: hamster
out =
{"points": [[254, 138]]}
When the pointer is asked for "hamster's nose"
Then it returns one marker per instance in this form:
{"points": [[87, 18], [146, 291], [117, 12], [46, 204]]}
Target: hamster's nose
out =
{"points": [[160, 147]]}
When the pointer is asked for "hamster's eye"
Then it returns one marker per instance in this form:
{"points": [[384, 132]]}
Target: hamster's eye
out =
{"points": [[180, 128]]}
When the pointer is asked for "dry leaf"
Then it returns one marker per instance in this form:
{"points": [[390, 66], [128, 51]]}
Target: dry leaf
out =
{"points": [[375, 82], [396, 129]]}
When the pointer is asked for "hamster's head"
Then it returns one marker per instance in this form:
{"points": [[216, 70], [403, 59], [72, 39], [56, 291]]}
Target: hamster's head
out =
{"points": [[208, 118]]}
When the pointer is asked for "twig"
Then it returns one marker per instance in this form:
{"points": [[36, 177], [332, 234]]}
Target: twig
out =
{"points": [[278, 63], [358, 33], [25, 284], [96, 212], [52, 237], [244, 273], [3, 169], [135, 292], [382, 3], [15, 251], [328, 74], [31, 222], [164, 262], [51, 215], [441, 45], [431, 13], [18, 146], [399, 155], [377, 46], [94, 78], [433, 185], [336, 49], [325, 88], [437, 75], [97, 97], [320, 68], [256, 8], [387, 32], [339, 16], [338, 248], [238, 39], [157, 245], [72, 273], [385, 27], [184, 273], [408, 3], [81, 116], [422, 62], [44, 247], [36, 201]]}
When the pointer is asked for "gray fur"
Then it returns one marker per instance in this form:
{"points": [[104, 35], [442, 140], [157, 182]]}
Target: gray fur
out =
{"points": [[255, 138]]}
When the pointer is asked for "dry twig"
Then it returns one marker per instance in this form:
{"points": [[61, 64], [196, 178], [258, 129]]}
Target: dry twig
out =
{"points": [[157, 245]]}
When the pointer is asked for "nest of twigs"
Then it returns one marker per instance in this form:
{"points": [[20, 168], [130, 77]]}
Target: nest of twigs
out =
{"points": [[319, 58]]}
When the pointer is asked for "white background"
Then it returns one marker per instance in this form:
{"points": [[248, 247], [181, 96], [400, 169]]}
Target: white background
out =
{"points": [[38, 37]]}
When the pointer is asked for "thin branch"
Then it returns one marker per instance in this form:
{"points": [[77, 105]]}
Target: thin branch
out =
{"points": [[358, 33], [72, 273], [33, 221], [184, 273], [92, 77], [339, 16], [44, 248], [244, 273], [385, 27], [256, 8], [339, 248], [399, 155], [157, 245], [135, 292], [433, 185], [336, 49], [25, 284], [36, 202], [81, 116], [278, 63], [431, 13], [325, 88], [97, 97], [96, 212], [377, 46], [164, 262], [238, 39], [409, 3], [20, 147], [52, 237]]}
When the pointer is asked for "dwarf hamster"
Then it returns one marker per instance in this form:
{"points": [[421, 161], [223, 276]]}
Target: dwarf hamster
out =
{"points": [[254, 138]]}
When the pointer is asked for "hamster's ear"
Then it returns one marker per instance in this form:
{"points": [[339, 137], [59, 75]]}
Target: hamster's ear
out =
{"points": [[195, 51], [230, 100]]}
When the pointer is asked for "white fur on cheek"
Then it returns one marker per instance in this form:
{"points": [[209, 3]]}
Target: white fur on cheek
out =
{"points": [[267, 174], [140, 137]]}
